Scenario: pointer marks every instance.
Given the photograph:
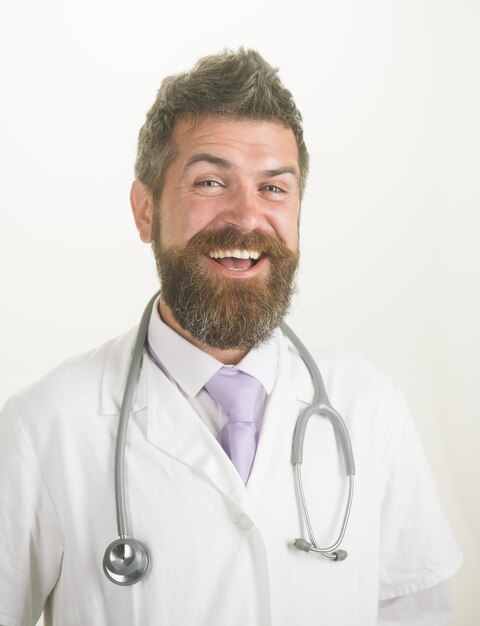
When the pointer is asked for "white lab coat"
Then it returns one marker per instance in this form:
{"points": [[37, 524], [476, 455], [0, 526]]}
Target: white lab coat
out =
{"points": [[221, 553]]}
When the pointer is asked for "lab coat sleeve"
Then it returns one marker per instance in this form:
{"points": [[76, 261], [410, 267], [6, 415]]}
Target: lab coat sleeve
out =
{"points": [[417, 548], [31, 539], [430, 607]]}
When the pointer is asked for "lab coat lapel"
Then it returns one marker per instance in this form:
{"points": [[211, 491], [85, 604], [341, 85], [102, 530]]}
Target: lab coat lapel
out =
{"points": [[170, 423], [174, 427]]}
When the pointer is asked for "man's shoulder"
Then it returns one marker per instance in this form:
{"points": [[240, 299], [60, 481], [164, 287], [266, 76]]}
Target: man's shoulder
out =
{"points": [[339, 363], [341, 371], [76, 376]]}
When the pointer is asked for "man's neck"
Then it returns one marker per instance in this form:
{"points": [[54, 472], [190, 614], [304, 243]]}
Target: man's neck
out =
{"points": [[227, 357]]}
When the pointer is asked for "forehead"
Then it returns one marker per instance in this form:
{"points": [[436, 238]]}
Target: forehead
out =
{"points": [[268, 144]]}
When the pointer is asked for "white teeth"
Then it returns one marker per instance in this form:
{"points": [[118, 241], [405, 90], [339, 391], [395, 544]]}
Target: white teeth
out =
{"points": [[237, 254], [240, 254]]}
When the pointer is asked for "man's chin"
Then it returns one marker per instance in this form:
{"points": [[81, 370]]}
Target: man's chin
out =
{"points": [[223, 307]]}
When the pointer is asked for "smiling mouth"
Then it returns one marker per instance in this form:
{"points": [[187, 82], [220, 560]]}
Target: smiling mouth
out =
{"points": [[239, 260]]}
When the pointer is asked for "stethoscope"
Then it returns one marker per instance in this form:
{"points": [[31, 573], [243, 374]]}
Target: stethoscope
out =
{"points": [[126, 560]]}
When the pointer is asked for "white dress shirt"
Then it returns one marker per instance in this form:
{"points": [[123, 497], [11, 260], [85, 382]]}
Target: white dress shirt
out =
{"points": [[190, 368]]}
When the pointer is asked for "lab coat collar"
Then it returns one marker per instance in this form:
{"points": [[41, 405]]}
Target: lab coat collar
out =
{"points": [[117, 363], [170, 423]]}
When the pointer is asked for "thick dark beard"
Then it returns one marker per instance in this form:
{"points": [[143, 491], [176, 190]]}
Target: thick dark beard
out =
{"points": [[222, 312]]}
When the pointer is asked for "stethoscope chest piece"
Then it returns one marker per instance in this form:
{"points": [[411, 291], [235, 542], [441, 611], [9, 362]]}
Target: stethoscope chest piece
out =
{"points": [[125, 561]]}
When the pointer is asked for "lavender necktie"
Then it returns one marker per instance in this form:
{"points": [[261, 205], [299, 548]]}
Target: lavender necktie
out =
{"points": [[238, 394]]}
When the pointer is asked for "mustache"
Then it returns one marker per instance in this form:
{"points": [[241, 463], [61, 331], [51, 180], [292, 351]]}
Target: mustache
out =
{"points": [[231, 237]]}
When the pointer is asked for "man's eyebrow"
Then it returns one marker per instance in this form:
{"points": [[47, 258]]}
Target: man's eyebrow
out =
{"points": [[225, 164], [209, 158], [278, 171]]}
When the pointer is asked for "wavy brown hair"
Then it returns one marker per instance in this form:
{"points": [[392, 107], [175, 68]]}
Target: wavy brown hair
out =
{"points": [[232, 84]]}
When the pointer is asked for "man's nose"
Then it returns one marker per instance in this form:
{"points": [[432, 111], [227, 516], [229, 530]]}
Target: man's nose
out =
{"points": [[244, 210]]}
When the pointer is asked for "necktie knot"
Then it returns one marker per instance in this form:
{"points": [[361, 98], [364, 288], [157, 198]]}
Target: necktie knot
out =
{"points": [[238, 394]]}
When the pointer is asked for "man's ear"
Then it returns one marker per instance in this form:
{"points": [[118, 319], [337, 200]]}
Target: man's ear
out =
{"points": [[142, 207]]}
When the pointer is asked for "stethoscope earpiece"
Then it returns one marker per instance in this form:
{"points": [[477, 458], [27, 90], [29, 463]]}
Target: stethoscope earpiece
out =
{"points": [[125, 561], [306, 546]]}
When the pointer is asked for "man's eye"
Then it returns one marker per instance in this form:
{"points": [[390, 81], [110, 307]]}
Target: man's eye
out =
{"points": [[207, 183], [273, 188]]}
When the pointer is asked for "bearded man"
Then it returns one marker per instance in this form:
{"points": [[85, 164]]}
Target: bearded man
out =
{"points": [[207, 483]]}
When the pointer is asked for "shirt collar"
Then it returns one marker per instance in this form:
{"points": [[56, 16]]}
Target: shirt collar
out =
{"points": [[191, 367]]}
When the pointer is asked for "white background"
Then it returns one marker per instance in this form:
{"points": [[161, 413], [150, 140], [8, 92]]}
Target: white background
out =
{"points": [[390, 231]]}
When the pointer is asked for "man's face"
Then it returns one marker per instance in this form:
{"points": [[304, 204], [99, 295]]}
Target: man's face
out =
{"points": [[232, 191]]}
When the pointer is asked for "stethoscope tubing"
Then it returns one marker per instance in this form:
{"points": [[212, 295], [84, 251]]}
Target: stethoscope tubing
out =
{"points": [[128, 571], [320, 406], [130, 386]]}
